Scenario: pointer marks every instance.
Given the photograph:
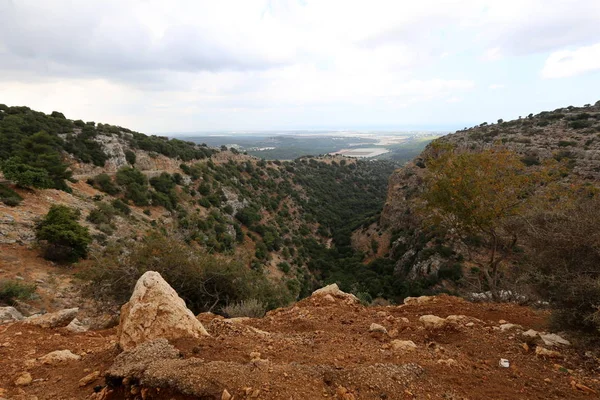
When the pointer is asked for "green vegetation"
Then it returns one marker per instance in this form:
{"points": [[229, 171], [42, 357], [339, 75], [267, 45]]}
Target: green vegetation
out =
{"points": [[15, 290], [9, 196], [246, 308], [65, 239], [34, 143], [203, 281], [479, 194]]}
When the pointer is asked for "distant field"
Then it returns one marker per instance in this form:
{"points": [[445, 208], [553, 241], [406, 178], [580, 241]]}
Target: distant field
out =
{"points": [[397, 146]]}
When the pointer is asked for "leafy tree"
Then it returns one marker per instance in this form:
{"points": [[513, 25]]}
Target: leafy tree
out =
{"points": [[478, 195], [104, 183], [66, 240], [130, 157], [26, 176]]}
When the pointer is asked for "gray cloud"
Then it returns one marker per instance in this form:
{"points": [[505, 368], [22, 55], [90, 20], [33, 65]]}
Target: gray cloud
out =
{"points": [[81, 39]]}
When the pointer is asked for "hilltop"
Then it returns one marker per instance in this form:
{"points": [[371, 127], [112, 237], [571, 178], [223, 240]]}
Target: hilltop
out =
{"points": [[326, 346]]}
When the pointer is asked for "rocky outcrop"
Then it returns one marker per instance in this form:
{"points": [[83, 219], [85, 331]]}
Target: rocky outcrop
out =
{"points": [[9, 314], [155, 311], [53, 320]]}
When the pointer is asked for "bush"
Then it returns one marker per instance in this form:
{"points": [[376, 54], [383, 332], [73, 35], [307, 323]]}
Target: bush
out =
{"points": [[104, 183], [246, 308], [130, 157], [9, 196], [203, 281], [564, 253], [15, 290], [66, 240], [25, 175]]}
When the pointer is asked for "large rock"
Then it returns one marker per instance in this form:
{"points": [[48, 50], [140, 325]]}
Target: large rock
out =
{"points": [[9, 314], [155, 311], [334, 290], [433, 322], [53, 320]]}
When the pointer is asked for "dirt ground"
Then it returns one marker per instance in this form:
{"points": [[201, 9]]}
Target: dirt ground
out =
{"points": [[317, 349]]}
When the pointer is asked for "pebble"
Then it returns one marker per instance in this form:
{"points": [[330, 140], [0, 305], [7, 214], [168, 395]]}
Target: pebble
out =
{"points": [[23, 379], [377, 328]]}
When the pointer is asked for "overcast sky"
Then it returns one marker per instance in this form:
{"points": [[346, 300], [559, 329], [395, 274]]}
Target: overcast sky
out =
{"points": [[181, 66]]}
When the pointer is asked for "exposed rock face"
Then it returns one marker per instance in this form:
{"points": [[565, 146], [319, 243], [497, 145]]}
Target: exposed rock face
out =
{"points": [[155, 311], [55, 319], [9, 314]]}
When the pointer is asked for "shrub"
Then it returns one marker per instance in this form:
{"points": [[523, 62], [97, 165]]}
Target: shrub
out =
{"points": [[130, 157], [121, 207], [564, 252], [66, 240], [203, 281], [15, 290], [25, 175], [9, 196], [104, 183], [246, 308]]}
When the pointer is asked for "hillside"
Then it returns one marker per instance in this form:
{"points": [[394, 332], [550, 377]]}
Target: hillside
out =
{"points": [[289, 221], [432, 262]]}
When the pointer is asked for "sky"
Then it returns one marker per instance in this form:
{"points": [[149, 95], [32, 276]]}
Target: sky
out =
{"points": [[190, 66]]}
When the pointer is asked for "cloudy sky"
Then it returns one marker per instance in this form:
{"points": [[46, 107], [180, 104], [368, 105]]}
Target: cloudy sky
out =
{"points": [[182, 66]]}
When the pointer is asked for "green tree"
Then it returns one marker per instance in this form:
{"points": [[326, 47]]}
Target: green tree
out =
{"points": [[66, 240], [26, 176], [130, 157], [478, 195]]}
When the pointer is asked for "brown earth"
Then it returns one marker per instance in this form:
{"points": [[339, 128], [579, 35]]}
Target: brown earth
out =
{"points": [[317, 348]]}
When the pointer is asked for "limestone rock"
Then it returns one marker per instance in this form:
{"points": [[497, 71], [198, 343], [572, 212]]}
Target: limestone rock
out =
{"points": [[419, 300], [156, 311], [432, 322], [403, 345], [76, 326], [543, 352], [9, 314], [506, 327], [377, 328], [59, 356], [335, 291], [225, 395], [23, 379], [530, 334], [53, 320], [86, 380], [552, 339]]}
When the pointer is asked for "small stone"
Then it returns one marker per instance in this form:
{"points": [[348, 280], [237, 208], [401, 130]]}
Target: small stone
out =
{"points": [[404, 320], [502, 322], [419, 300], [255, 355], [450, 362], [403, 345], [552, 339], [225, 395], [531, 334], [255, 393], [470, 324], [23, 379], [53, 320], [59, 356], [377, 328], [76, 326], [543, 352], [329, 298], [432, 322], [86, 380], [507, 327]]}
